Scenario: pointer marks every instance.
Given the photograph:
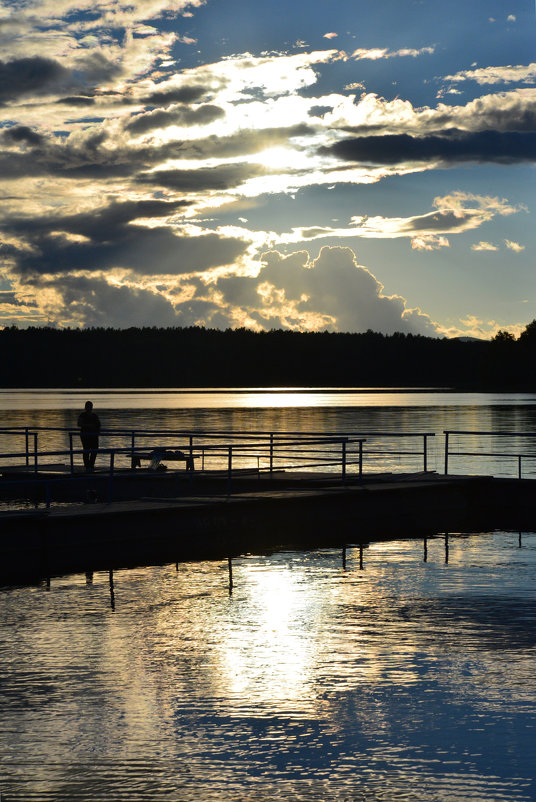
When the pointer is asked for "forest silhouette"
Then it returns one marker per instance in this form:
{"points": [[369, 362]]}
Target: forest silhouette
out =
{"points": [[200, 357]]}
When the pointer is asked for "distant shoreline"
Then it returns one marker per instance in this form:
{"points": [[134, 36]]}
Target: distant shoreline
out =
{"points": [[242, 361], [199, 390]]}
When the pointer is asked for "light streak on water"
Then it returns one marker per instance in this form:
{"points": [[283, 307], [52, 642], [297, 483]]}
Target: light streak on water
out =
{"points": [[406, 680]]}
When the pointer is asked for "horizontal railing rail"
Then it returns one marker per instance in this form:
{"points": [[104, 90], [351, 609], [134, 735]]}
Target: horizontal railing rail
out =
{"points": [[198, 438], [518, 455]]}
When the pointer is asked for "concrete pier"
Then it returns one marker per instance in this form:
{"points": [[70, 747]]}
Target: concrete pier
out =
{"points": [[284, 511]]}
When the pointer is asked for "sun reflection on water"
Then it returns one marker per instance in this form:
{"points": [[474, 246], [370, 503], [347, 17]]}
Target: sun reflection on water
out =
{"points": [[403, 680]]}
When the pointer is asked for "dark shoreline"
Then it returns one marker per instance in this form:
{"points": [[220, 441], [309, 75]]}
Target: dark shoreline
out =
{"points": [[211, 359]]}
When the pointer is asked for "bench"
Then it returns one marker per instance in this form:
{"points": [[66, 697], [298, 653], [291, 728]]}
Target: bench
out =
{"points": [[157, 455]]}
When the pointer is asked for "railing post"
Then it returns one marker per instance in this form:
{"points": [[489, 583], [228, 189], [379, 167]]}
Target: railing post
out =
{"points": [[35, 452], [271, 453], [71, 455], [191, 463], [111, 480], [446, 453], [133, 446], [519, 466], [343, 460], [360, 460], [27, 438], [229, 470], [425, 454]]}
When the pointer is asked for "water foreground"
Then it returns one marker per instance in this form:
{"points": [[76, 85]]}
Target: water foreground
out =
{"points": [[405, 680]]}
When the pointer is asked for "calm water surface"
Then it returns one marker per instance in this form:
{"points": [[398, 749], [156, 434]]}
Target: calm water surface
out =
{"points": [[405, 680], [297, 410]]}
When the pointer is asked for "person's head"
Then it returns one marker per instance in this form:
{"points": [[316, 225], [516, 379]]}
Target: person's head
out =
{"points": [[89, 406]]}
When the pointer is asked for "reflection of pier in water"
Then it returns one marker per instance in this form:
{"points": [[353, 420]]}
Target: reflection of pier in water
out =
{"points": [[360, 548], [220, 494]]}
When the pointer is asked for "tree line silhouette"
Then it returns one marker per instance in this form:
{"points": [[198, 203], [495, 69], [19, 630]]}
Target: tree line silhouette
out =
{"points": [[200, 357]]}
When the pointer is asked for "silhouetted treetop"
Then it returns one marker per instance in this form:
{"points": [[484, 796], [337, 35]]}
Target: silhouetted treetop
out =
{"points": [[199, 357]]}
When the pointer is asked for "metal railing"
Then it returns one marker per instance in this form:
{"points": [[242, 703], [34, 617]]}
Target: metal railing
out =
{"points": [[321, 452], [272, 443], [517, 455], [227, 454]]}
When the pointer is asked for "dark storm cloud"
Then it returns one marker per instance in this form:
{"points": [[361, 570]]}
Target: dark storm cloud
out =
{"points": [[504, 113], [30, 76], [319, 111], [21, 135], [178, 94], [106, 239], [180, 116], [77, 100], [223, 177], [484, 146]]}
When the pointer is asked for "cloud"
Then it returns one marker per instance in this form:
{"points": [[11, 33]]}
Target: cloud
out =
{"points": [[83, 301], [473, 326], [451, 149], [504, 111], [91, 153], [376, 53], [454, 213], [429, 242], [10, 298], [223, 177], [514, 246], [77, 100], [330, 292], [497, 75], [330, 35], [201, 115], [30, 77], [21, 135], [488, 246], [108, 238], [166, 94], [484, 246]]}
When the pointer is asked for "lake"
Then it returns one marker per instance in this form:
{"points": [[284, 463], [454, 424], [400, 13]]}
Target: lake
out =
{"points": [[406, 680], [301, 410]]}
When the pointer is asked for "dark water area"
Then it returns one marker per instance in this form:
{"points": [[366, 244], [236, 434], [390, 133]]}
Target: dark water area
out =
{"points": [[314, 679]]}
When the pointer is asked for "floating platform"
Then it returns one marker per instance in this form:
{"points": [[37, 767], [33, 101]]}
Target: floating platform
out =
{"points": [[265, 512]]}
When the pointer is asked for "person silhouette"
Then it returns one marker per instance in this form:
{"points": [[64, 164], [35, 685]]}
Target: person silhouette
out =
{"points": [[89, 424]]}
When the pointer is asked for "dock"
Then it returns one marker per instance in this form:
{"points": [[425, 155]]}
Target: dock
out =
{"points": [[125, 516]]}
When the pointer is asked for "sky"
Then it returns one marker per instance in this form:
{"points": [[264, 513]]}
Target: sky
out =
{"points": [[304, 165]]}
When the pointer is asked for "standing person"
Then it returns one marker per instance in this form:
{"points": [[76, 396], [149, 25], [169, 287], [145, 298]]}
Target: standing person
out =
{"points": [[89, 434]]}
